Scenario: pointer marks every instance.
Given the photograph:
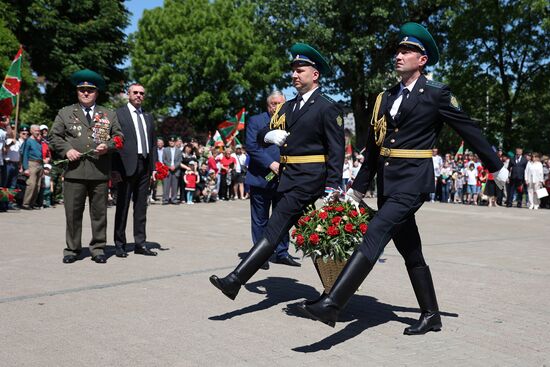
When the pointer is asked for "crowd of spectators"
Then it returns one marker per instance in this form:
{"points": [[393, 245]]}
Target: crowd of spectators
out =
{"points": [[207, 174], [461, 179]]}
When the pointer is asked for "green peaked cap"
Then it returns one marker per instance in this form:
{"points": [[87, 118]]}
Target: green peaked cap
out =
{"points": [[417, 31], [87, 78], [304, 54]]}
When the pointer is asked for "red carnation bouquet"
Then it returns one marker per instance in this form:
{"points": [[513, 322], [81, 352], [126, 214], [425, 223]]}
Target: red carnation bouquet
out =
{"points": [[162, 171], [332, 232]]}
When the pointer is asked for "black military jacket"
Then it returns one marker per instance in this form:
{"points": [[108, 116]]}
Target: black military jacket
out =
{"points": [[416, 126], [315, 129]]}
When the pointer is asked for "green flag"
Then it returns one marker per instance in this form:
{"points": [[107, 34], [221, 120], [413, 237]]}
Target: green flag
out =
{"points": [[11, 86]]}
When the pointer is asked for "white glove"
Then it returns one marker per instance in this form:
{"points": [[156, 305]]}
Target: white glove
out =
{"points": [[354, 195], [276, 137], [501, 177]]}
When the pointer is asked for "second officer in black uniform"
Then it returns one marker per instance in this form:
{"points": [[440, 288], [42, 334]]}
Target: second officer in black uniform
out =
{"points": [[309, 130], [405, 124]]}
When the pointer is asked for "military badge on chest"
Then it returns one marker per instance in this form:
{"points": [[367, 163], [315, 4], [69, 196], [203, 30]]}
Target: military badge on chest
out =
{"points": [[101, 128]]}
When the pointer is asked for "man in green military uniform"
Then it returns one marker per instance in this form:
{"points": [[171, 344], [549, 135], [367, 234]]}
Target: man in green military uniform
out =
{"points": [[86, 134]]}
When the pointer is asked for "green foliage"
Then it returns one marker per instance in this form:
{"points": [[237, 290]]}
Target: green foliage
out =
{"points": [[494, 60], [358, 37], [203, 59], [64, 36], [36, 112]]}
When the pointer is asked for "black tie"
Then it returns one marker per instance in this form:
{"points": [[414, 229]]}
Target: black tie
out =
{"points": [[296, 107], [142, 135], [88, 115], [405, 93]]}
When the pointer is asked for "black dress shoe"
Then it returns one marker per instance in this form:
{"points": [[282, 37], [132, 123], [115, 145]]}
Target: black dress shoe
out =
{"points": [[287, 260], [140, 250], [120, 251], [100, 259], [69, 259]]}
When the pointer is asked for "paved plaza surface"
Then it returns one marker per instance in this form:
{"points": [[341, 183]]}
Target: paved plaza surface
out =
{"points": [[491, 268]]}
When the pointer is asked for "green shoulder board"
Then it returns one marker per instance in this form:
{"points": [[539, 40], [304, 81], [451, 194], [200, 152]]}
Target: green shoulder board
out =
{"points": [[328, 98], [433, 83]]}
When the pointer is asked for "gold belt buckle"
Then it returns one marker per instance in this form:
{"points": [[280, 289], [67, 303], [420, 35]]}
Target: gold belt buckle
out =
{"points": [[283, 159], [386, 152]]}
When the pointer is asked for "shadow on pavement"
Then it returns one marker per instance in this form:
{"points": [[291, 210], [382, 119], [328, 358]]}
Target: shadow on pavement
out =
{"points": [[277, 290], [365, 312]]}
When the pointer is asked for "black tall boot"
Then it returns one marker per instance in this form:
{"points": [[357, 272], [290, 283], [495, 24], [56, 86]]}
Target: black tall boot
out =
{"points": [[255, 258], [328, 307], [423, 286]]}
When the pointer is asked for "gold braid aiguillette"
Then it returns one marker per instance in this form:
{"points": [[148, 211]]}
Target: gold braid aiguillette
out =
{"points": [[276, 121]]}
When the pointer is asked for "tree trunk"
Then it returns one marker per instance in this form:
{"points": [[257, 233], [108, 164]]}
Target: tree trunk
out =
{"points": [[507, 131]]}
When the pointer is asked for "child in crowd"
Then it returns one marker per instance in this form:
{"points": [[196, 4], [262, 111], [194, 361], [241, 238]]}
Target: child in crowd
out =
{"points": [[471, 179], [47, 185], [191, 178], [210, 192], [458, 183]]}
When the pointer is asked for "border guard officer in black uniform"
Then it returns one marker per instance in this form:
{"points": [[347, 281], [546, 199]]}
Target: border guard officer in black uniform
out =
{"points": [[404, 127], [309, 130]]}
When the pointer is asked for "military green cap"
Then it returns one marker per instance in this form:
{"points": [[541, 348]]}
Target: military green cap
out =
{"points": [[24, 127], [415, 35], [87, 78], [305, 55]]}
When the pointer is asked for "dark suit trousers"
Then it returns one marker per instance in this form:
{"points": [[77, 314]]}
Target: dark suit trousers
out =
{"points": [[75, 194], [261, 200], [290, 207], [395, 220], [513, 185], [133, 188]]}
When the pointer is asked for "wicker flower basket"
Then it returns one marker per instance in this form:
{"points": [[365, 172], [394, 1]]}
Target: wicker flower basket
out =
{"points": [[329, 271]]}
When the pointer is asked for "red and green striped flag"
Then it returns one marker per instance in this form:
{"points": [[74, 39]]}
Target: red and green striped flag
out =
{"points": [[11, 86], [230, 128]]}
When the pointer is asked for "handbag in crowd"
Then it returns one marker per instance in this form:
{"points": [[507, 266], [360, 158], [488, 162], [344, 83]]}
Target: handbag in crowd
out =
{"points": [[542, 192]]}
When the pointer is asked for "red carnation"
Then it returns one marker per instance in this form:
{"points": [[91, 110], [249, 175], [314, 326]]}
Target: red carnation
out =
{"points": [[328, 208], [333, 231], [349, 228], [293, 234], [119, 143], [363, 228], [299, 240], [314, 239], [353, 213], [323, 215], [362, 210], [307, 218], [336, 220], [339, 209]]}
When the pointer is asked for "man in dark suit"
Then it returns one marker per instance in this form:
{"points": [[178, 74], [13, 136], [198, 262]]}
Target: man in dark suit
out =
{"points": [[172, 157], [263, 193], [516, 182], [135, 163], [86, 134], [404, 128], [310, 133]]}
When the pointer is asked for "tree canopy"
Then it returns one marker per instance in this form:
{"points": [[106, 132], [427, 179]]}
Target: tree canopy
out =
{"points": [[203, 59]]}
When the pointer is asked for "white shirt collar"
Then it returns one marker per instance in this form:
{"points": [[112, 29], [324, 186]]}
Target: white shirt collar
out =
{"points": [[92, 108], [306, 96], [132, 108], [410, 87]]}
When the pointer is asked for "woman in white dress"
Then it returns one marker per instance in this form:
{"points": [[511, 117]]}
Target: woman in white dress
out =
{"points": [[534, 178]]}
